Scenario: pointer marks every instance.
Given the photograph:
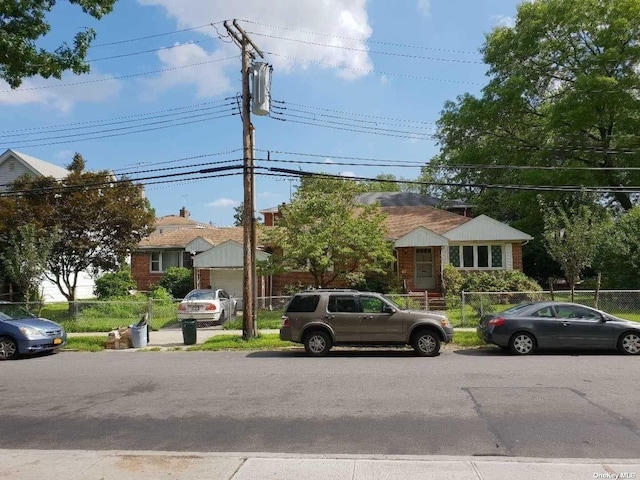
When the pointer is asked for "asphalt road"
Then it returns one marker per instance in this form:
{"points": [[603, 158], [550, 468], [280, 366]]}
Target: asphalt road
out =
{"points": [[384, 402]]}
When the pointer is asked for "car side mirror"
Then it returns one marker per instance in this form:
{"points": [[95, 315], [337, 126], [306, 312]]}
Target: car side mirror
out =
{"points": [[388, 309]]}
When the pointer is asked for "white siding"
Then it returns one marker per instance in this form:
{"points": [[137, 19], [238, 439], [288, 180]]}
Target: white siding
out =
{"points": [[229, 254], [508, 248], [485, 229], [10, 170], [198, 245], [421, 237]]}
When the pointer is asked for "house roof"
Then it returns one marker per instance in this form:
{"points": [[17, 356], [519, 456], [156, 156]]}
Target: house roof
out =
{"points": [[37, 166], [402, 220], [180, 237], [177, 220]]}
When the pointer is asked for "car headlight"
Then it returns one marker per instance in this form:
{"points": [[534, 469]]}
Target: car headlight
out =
{"points": [[31, 332]]}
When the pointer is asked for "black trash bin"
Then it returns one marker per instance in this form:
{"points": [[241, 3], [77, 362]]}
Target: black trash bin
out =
{"points": [[189, 331]]}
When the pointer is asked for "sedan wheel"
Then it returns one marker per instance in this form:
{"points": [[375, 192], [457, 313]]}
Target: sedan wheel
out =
{"points": [[630, 343], [522, 343], [426, 344], [317, 344], [8, 348]]}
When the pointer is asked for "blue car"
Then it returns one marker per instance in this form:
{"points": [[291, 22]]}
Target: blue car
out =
{"points": [[23, 333]]}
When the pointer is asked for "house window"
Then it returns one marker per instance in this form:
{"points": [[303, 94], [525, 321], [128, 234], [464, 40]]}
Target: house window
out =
{"points": [[454, 255], [476, 256], [161, 261]]}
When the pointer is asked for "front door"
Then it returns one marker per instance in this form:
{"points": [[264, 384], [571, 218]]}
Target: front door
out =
{"points": [[424, 269]]}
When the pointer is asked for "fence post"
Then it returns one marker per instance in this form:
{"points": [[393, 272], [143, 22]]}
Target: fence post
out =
{"points": [[426, 300], [462, 308], [481, 305], [149, 311]]}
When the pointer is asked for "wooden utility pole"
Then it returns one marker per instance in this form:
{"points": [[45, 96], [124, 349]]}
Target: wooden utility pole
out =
{"points": [[249, 323]]}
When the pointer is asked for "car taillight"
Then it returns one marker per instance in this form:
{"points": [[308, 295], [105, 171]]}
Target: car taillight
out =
{"points": [[285, 321], [496, 322], [182, 307], [211, 306]]}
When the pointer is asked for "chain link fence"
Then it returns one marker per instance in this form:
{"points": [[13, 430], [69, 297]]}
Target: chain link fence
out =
{"points": [[473, 305]]}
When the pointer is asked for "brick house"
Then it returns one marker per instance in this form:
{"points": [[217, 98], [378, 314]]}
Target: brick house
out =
{"points": [[425, 234]]}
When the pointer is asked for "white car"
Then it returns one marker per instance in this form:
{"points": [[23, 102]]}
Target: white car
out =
{"points": [[208, 306]]}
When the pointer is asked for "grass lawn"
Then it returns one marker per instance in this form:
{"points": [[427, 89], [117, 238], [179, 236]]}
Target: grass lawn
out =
{"points": [[105, 316], [269, 341], [86, 344], [267, 320]]}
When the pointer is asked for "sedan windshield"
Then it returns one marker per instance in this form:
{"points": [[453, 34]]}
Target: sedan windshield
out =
{"points": [[202, 295], [10, 311]]}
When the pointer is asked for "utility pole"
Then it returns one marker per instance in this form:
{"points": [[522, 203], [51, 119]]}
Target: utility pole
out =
{"points": [[249, 323]]}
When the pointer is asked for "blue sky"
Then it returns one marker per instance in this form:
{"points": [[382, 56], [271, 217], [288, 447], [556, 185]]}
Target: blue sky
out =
{"points": [[351, 78]]}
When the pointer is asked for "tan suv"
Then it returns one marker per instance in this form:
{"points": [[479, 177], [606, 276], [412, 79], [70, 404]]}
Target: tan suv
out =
{"points": [[322, 318]]}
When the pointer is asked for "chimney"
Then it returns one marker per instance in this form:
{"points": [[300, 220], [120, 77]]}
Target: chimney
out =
{"points": [[184, 213]]}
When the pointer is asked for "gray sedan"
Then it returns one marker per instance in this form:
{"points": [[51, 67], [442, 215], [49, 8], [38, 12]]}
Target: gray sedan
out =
{"points": [[557, 325]]}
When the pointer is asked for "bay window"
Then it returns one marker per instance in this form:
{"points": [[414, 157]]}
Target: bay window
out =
{"points": [[476, 257]]}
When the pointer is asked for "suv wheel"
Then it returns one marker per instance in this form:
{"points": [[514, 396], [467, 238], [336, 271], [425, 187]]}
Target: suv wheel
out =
{"points": [[317, 343], [426, 343]]}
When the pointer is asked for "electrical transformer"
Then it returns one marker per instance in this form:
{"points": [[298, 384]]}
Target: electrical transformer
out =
{"points": [[261, 98]]}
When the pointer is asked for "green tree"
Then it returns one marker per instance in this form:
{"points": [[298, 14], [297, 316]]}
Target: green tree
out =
{"points": [[571, 236], [324, 232], [115, 284], [25, 257], [562, 92], [97, 220], [23, 23], [388, 182], [178, 281], [618, 255], [238, 215]]}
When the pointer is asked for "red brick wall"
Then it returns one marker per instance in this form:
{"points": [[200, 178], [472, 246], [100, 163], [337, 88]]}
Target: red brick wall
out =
{"points": [[517, 256], [406, 267], [141, 271]]}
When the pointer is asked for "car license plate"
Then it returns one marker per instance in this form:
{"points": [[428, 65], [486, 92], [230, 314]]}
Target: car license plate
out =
{"points": [[57, 341]]}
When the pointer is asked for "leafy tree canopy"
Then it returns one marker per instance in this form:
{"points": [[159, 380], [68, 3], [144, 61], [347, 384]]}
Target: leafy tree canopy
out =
{"points": [[23, 23], [563, 91], [324, 232], [97, 221]]}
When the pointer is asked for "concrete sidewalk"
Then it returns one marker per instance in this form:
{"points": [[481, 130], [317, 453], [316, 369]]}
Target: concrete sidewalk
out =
{"points": [[106, 465]]}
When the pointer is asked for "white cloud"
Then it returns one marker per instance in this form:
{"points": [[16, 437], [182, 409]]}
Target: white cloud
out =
{"points": [[504, 21], [343, 23], [347, 174], [223, 202], [208, 76], [424, 7], [328, 160], [92, 88], [64, 154]]}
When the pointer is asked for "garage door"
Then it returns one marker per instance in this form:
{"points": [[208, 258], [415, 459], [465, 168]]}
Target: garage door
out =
{"points": [[229, 280]]}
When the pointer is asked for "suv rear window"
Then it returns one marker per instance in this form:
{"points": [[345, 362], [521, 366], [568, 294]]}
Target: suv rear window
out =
{"points": [[304, 303]]}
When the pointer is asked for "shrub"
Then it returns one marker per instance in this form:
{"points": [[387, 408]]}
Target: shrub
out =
{"points": [[499, 281], [161, 295], [116, 284], [177, 281], [452, 281]]}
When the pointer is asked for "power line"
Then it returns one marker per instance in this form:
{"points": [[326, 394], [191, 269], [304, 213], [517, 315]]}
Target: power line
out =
{"points": [[390, 44], [121, 77], [383, 162], [172, 117], [142, 52], [542, 188], [371, 71], [156, 35], [130, 132], [113, 119], [354, 49]]}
